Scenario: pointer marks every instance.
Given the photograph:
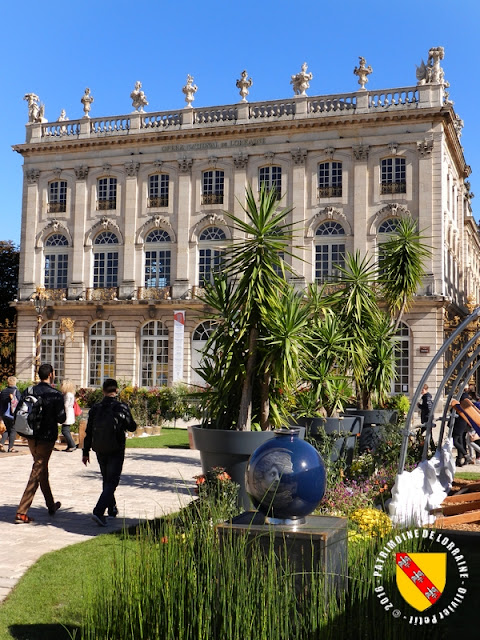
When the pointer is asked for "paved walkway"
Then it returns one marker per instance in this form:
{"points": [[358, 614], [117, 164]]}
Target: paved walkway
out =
{"points": [[154, 482]]}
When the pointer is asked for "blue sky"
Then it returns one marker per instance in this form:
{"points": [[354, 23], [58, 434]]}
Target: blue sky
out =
{"points": [[56, 49]]}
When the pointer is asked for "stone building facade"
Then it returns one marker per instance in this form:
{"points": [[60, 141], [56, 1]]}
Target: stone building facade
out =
{"points": [[123, 217]]}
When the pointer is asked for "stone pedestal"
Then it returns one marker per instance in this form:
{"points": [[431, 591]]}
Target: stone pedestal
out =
{"points": [[319, 544]]}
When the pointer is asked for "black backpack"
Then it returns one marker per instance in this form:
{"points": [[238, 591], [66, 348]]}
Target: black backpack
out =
{"points": [[107, 432], [28, 415]]}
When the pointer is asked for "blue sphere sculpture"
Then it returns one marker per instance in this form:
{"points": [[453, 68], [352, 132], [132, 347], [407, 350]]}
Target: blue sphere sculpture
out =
{"points": [[285, 478]]}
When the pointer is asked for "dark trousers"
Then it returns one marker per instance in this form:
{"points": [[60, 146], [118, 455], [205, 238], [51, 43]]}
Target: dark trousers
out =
{"points": [[459, 442], [68, 436], [10, 433], [41, 452], [111, 465]]}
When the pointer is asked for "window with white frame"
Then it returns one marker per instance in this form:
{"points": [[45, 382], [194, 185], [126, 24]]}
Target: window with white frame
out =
{"points": [[401, 382], [105, 260], [213, 183], [158, 187], [56, 262], [106, 194], [271, 177], [199, 340], [57, 196], [52, 349], [101, 351], [157, 259], [154, 354], [329, 250], [329, 179], [385, 230], [393, 175], [210, 254]]}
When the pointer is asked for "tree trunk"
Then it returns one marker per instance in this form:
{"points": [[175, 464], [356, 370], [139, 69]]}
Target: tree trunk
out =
{"points": [[245, 412], [265, 402], [400, 314]]}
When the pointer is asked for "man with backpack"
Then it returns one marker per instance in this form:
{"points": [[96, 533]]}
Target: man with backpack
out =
{"points": [[50, 412], [105, 434], [9, 398]]}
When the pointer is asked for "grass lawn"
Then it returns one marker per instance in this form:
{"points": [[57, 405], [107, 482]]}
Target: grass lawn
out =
{"points": [[169, 438], [47, 602]]}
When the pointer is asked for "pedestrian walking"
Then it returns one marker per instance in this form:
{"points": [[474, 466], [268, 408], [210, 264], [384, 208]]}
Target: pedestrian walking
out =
{"points": [[9, 398], [68, 390], [41, 445], [105, 434]]}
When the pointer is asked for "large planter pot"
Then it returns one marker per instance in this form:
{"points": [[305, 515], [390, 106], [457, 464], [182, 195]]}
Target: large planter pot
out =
{"points": [[230, 450], [344, 445], [373, 422]]}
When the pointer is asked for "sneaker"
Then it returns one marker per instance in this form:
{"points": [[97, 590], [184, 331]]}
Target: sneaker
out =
{"points": [[113, 513], [100, 520], [22, 518], [53, 510]]}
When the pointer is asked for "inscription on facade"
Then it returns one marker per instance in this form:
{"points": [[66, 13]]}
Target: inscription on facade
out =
{"points": [[213, 145]]}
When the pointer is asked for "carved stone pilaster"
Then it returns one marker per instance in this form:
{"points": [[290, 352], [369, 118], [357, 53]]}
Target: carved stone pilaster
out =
{"points": [[298, 156], [425, 148], [360, 152], [240, 161], [131, 169], [185, 165], [32, 176], [81, 172]]}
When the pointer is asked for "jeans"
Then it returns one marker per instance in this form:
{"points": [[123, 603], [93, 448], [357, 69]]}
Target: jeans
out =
{"points": [[68, 436], [41, 452], [10, 433], [111, 465]]}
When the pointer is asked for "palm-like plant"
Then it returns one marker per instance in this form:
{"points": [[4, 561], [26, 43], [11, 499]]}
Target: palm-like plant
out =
{"points": [[258, 346], [402, 260]]}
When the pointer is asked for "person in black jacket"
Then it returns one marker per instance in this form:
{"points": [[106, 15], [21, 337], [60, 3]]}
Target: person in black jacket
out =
{"points": [[41, 446], [105, 434], [9, 398]]}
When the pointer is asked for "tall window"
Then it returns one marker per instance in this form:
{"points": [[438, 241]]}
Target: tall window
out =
{"points": [[105, 261], [393, 175], [329, 179], [57, 196], [199, 340], [158, 186], [52, 350], [271, 177], [157, 259], [213, 186], [329, 250], [154, 354], [106, 194], [210, 257], [101, 349], [386, 228], [401, 382], [56, 262]]}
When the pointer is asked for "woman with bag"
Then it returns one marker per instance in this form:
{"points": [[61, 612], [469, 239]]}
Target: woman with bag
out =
{"points": [[68, 390], [9, 398]]}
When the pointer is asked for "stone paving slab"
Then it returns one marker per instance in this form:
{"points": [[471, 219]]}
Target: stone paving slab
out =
{"points": [[154, 482]]}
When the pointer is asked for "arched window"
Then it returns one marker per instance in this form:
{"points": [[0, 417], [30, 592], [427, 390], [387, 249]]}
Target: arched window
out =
{"points": [[212, 245], [213, 187], [105, 261], [329, 179], [154, 354], [329, 250], [271, 177], [158, 187], [56, 262], [199, 340], [52, 351], [101, 349], [157, 259], [57, 196], [401, 382], [388, 226]]}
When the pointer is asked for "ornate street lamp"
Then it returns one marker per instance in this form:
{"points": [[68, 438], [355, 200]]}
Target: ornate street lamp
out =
{"points": [[40, 303]]}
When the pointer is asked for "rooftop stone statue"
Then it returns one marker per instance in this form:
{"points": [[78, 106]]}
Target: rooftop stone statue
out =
{"points": [[362, 71], [189, 90], [301, 81], [432, 72], [244, 84], [86, 100], [36, 111], [139, 99]]}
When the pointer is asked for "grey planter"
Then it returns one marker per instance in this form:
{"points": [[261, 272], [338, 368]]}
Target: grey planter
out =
{"points": [[344, 446], [373, 422]]}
